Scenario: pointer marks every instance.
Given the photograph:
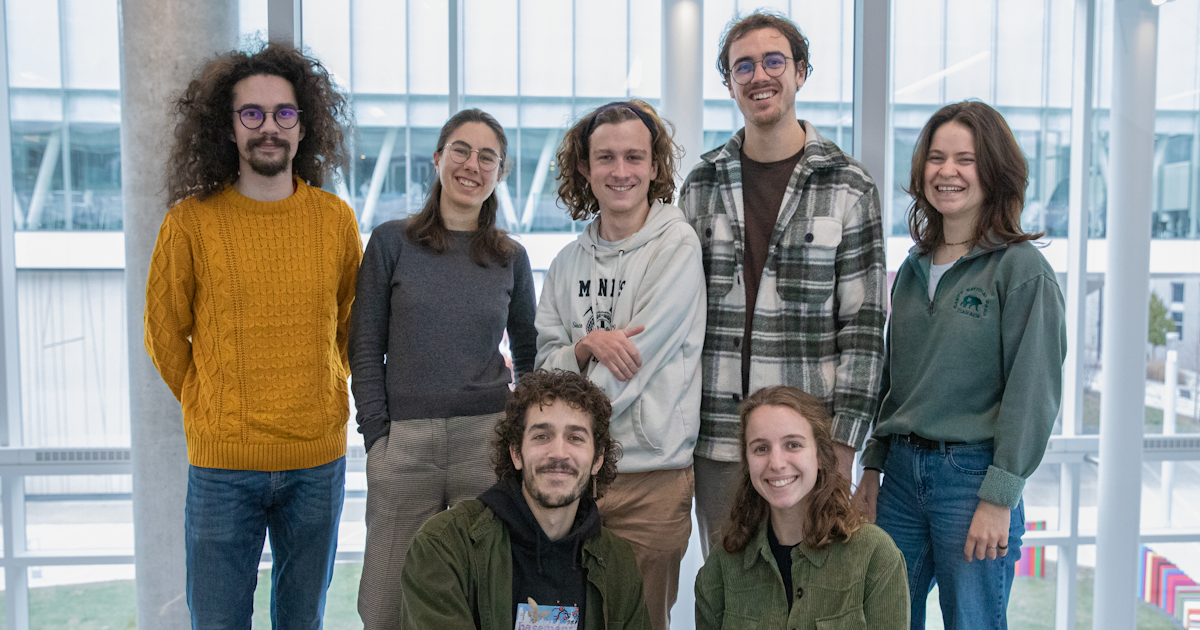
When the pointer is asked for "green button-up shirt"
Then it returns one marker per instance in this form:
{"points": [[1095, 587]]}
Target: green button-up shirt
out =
{"points": [[861, 583]]}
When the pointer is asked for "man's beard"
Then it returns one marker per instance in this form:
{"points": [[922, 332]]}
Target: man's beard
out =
{"points": [[547, 501], [267, 167]]}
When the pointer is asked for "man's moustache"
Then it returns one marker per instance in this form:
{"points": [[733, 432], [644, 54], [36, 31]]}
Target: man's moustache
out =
{"points": [[257, 142], [553, 468]]}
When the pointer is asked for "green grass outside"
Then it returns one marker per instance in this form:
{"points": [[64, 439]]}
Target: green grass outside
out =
{"points": [[111, 605], [1154, 418]]}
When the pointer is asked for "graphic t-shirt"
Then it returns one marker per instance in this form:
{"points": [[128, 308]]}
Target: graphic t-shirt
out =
{"points": [[549, 585], [532, 616]]}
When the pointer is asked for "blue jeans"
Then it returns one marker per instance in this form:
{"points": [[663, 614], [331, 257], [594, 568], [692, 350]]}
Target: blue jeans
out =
{"points": [[926, 505], [228, 514]]}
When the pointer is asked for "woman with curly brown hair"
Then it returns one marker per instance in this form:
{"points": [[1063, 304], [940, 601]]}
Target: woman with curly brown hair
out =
{"points": [[436, 294], [797, 554]]}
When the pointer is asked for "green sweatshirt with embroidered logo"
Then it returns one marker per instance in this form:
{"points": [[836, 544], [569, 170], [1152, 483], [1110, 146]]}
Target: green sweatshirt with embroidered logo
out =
{"points": [[981, 361]]}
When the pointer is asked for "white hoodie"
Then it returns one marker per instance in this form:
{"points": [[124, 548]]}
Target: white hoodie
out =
{"points": [[658, 279]]}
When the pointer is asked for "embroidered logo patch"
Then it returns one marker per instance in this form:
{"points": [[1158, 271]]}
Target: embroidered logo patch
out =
{"points": [[972, 301]]}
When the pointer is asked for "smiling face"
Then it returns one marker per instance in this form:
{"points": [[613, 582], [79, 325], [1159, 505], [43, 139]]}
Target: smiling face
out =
{"points": [[765, 100], [620, 167], [557, 455], [952, 184], [268, 150], [465, 186], [781, 454]]}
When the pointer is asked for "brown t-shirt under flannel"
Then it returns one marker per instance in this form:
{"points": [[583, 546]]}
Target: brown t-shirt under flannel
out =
{"points": [[763, 187]]}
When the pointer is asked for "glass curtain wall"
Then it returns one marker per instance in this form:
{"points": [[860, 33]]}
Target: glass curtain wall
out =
{"points": [[1016, 55], [64, 78], [827, 98], [536, 65]]}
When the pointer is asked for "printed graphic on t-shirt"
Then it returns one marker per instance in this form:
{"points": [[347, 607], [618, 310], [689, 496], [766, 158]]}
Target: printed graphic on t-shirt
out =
{"points": [[547, 617], [603, 321]]}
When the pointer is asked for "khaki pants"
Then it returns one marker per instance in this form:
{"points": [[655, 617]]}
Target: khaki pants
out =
{"points": [[652, 511], [418, 469], [716, 485]]}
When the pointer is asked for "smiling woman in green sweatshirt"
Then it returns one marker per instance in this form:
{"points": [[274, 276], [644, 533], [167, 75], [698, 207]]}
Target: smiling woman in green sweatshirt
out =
{"points": [[973, 371]]}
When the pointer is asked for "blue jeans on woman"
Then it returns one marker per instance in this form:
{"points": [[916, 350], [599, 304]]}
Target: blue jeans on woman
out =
{"points": [[926, 505], [229, 512]]}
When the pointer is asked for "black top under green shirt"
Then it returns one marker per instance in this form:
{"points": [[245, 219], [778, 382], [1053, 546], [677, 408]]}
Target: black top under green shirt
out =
{"points": [[783, 558]]}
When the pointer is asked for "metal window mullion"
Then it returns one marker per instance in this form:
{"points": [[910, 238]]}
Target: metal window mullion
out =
{"points": [[10, 375], [454, 56], [65, 138], [16, 574], [1078, 218], [944, 49], [408, 162], [520, 146], [1066, 593], [994, 61]]}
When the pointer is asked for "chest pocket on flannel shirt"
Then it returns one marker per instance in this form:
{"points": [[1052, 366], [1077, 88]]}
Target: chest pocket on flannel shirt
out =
{"points": [[805, 260], [716, 242]]}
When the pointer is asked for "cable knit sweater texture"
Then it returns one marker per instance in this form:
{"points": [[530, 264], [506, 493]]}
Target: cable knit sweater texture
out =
{"points": [[247, 310]]}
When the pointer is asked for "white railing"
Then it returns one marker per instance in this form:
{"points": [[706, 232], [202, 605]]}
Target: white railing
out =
{"points": [[1069, 453]]}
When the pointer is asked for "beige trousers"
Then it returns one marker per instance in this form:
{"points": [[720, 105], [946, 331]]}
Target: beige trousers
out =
{"points": [[653, 512], [418, 469]]}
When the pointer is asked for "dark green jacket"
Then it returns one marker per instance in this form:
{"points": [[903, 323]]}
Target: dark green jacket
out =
{"points": [[861, 583], [458, 576], [981, 361]]}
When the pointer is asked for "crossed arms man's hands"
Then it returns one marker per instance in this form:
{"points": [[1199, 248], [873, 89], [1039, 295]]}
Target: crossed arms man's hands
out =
{"points": [[613, 349]]}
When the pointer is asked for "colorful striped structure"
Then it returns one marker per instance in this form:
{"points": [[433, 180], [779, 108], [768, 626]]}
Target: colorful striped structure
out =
{"points": [[1033, 559], [1166, 586]]}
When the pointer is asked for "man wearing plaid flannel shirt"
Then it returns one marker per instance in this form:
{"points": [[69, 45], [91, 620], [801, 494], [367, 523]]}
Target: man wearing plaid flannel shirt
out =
{"points": [[793, 257]]}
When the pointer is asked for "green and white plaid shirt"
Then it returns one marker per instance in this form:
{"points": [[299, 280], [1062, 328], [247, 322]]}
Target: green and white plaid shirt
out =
{"points": [[821, 309]]}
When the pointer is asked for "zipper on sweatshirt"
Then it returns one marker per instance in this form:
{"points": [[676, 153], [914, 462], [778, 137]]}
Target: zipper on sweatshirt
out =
{"points": [[938, 289]]}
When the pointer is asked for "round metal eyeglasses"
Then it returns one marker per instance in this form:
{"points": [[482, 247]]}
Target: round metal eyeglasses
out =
{"points": [[253, 117], [772, 63], [487, 161]]}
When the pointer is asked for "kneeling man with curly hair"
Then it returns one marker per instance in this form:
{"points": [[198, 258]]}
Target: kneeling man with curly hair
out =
{"points": [[530, 551]]}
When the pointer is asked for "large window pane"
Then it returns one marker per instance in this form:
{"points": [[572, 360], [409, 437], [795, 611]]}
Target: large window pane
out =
{"points": [[74, 387]]}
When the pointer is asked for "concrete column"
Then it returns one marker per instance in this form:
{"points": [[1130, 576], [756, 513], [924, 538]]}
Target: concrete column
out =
{"points": [[1077, 226], [1122, 411], [683, 85], [285, 23], [163, 42], [872, 90]]}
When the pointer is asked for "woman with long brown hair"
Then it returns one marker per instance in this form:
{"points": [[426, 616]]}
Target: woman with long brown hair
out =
{"points": [[436, 293], [972, 372], [796, 551]]}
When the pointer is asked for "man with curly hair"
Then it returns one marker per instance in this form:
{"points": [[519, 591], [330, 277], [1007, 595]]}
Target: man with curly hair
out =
{"points": [[531, 549], [624, 305], [247, 305], [793, 257]]}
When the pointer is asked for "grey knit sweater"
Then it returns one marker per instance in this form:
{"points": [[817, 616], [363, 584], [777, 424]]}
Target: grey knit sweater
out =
{"points": [[425, 330]]}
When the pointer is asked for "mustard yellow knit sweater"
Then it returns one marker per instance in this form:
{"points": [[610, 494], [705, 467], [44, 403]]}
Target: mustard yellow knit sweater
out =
{"points": [[247, 309]]}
